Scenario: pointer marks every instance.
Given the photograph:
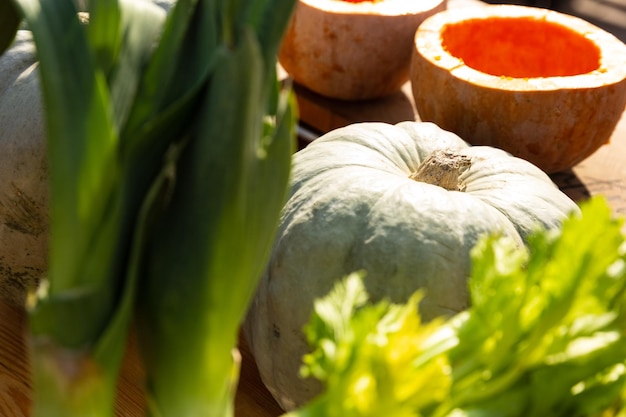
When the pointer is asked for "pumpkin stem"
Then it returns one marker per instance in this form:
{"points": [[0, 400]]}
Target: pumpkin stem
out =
{"points": [[443, 168]]}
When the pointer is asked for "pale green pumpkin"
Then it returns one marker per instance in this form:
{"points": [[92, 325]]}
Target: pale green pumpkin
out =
{"points": [[355, 206], [23, 172], [24, 217]]}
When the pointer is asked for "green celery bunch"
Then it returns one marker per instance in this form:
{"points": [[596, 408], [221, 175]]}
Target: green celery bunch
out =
{"points": [[169, 143], [545, 335], [375, 359]]}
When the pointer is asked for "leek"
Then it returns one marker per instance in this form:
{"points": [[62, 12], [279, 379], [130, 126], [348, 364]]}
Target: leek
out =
{"points": [[207, 255], [169, 144]]}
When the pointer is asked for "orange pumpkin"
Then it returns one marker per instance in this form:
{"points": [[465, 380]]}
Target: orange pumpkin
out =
{"points": [[545, 86], [353, 50]]}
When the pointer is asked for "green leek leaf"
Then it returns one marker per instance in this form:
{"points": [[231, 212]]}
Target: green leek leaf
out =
{"points": [[207, 255], [158, 127], [80, 319], [76, 97]]}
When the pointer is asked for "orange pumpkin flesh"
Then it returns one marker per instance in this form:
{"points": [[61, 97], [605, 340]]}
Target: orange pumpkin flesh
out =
{"points": [[545, 86], [353, 50], [541, 49]]}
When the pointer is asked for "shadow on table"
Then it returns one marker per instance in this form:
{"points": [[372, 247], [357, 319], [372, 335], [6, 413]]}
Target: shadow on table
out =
{"points": [[610, 15], [571, 185], [319, 114], [326, 114]]}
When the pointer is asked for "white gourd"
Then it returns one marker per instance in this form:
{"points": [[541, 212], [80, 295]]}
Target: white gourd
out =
{"points": [[23, 172], [356, 203]]}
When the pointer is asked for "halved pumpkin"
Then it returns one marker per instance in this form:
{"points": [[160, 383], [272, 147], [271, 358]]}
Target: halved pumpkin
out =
{"points": [[545, 86], [353, 50]]}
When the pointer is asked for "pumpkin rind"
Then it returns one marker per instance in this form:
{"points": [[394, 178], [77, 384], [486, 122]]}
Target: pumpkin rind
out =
{"points": [[24, 217], [353, 51], [353, 207], [23, 172], [554, 121]]}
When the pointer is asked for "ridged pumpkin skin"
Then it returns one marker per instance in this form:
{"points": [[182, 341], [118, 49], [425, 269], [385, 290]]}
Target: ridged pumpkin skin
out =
{"points": [[23, 172], [552, 98], [352, 206], [353, 51]]}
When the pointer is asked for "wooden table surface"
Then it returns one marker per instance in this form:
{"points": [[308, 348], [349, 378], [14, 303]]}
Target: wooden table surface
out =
{"points": [[602, 173]]}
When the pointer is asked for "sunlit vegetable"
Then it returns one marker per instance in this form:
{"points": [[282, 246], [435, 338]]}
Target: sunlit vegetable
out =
{"points": [[406, 203], [545, 335], [139, 139], [23, 173], [497, 75]]}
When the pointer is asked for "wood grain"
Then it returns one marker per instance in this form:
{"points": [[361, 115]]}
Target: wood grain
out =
{"points": [[252, 399], [14, 369]]}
